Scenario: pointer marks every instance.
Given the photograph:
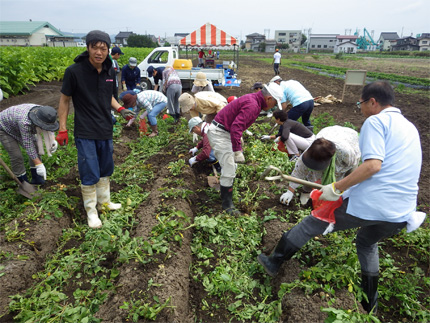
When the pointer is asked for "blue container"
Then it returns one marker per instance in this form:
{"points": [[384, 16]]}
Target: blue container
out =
{"points": [[218, 65]]}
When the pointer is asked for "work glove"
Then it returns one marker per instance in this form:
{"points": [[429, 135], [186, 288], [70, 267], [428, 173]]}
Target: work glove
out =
{"points": [[126, 113], [192, 161], [124, 87], [286, 197], [41, 170], [249, 133], [54, 147], [193, 151], [304, 198], [265, 137], [238, 157], [277, 139], [62, 138], [330, 193]]}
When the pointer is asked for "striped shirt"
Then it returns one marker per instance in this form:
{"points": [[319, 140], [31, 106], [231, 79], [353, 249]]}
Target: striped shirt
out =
{"points": [[170, 76], [148, 99], [15, 122]]}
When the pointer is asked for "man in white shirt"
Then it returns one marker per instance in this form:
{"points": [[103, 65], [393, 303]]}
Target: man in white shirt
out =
{"points": [[276, 61]]}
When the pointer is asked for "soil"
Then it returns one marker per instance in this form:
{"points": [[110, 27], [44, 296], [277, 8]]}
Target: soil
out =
{"points": [[173, 273]]}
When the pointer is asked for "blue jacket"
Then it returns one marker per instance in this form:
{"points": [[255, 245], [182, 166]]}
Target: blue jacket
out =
{"points": [[130, 76]]}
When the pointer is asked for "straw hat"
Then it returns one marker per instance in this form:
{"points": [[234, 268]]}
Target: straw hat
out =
{"points": [[186, 102], [200, 79]]}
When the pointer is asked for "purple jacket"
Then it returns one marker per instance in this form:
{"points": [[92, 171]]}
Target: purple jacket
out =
{"points": [[240, 114]]}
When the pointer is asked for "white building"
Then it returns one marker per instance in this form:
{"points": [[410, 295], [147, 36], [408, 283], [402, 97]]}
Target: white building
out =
{"points": [[322, 42], [291, 37], [32, 33], [346, 44]]}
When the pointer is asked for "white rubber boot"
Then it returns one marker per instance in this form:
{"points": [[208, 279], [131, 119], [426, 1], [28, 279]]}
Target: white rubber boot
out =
{"points": [[90, 200], [103, 195]]}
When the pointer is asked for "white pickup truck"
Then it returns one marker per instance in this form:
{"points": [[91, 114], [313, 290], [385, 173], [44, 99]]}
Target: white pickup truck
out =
{"points": [[165, 56]]}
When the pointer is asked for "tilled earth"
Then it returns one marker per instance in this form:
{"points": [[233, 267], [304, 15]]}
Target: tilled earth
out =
{"points": [[173, 273]]}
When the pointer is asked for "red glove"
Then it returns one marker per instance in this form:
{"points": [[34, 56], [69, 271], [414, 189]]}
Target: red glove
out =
{"points": [[62, 138], [126, 113]]}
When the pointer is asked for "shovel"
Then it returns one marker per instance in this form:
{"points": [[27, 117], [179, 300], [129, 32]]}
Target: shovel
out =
{"points": [[213, 181], [289, 178], [24, 188]]}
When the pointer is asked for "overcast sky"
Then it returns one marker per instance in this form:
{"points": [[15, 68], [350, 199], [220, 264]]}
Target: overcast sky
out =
{"points": [[237, 18]]}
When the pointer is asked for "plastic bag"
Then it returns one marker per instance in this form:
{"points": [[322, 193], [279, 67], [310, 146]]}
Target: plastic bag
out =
{"points": [[324, 210]]}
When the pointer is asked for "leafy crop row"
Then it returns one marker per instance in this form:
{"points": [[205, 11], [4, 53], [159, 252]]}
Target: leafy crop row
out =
{"points": [[21, 67]]}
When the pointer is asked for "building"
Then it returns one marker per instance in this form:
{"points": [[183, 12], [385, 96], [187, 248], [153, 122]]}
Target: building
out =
{"points": [[121, 38], [253, 41], [322, 42], [33, 33], [291, 37], [346, 44], [387, 39], [407, 43], [424, 42]]}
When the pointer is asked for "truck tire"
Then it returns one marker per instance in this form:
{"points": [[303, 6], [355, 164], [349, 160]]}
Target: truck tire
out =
{"points": [[146, 85]]}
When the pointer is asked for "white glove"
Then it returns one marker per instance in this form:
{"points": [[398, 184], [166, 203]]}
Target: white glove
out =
{"points": [[41, 171], [329, 193], [286, 197], [249, 133], [265, 137], [304, 198], [238, 157], [277, 139], [192, 161], [124, 87], [193, 151], [54, 147]]}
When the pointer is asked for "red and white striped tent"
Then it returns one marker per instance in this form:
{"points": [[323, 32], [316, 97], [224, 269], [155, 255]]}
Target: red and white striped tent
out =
{"points": [[208, 35]]}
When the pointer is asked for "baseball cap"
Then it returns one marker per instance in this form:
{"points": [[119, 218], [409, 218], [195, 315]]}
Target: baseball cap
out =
{"points": [[150, 70], [116, 50], [275, 79], [194, 122], [96, 36], [132, 61], [275, 91]]}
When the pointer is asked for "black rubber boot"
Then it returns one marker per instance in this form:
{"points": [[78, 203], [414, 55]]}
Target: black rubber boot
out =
{"points": [[369, 284], [36, 179], [23, 178], [283, 251], [227, 200]]}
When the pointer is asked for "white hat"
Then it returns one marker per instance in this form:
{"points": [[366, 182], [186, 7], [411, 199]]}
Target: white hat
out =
{"points": [[186, 102], [194, 122], [275, 91], [275, 79], [132, 61], [200, 79]]}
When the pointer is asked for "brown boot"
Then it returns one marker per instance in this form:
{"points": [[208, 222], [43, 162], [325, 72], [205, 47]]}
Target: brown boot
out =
{"points": [[154, 131]]}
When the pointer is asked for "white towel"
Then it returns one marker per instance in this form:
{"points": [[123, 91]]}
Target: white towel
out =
{"points": [[49, 138], [415, 221]]}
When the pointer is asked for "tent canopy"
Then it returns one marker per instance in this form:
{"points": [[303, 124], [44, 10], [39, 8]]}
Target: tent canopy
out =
{"points": [[208, 35]]}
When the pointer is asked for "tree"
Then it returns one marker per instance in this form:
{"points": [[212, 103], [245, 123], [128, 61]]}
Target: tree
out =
{"points": [[304, 39], [167, 44], [140, 41], [262, 47]]}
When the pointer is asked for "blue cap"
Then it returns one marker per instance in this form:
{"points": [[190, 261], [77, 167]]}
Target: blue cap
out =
{"points": [[150, 70], [116, 50]]}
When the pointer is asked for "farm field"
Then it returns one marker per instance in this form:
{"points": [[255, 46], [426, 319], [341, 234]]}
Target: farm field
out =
{"points": [[171, 255]]}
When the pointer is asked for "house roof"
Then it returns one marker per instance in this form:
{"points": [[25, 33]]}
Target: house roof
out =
{"points": [[346, 37], [348, 42], [25, 28], [255, 35], [389, 35], [208, 35], [181, 34], [124, 34], [424, 35]]}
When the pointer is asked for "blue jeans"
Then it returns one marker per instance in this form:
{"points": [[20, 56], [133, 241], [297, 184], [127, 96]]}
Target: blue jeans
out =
{"points": [[368, 235], [95, 159], [156, 109], [303, 110], [212, 157]]}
